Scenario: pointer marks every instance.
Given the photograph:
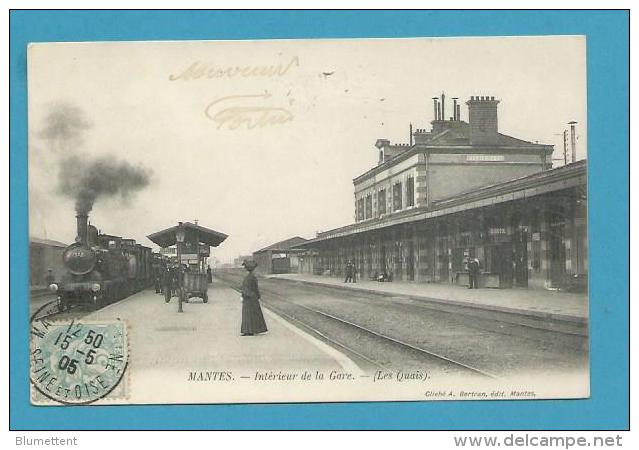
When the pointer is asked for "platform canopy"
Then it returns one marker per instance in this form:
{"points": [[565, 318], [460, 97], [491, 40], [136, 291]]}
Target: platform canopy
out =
{"points": [[166, 238]]}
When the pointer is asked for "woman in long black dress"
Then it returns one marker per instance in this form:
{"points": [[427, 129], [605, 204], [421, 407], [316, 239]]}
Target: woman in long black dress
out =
{"points": [[252, 317]]}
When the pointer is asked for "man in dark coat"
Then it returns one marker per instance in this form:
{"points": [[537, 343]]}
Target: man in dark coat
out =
{"points": [[350, 268], [167, 284], [473, 273], [209, 274], [175, 280], [252, 317], [157, 280]]}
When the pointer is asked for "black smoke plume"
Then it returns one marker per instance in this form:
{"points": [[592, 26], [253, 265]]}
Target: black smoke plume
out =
{"points": [[87, 181], [65, 124], [79, 177]]}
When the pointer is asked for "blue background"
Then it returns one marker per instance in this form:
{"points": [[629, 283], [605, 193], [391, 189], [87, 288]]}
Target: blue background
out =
{"points": [[607, 40]]}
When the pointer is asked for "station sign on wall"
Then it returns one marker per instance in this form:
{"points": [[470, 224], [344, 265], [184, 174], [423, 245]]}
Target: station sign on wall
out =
{"points": [[485, 158]]}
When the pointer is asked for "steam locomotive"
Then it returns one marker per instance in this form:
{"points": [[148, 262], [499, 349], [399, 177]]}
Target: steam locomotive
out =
{"points": [[101, 268]]}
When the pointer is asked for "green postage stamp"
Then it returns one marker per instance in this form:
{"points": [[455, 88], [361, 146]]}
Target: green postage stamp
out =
{"points": [[78, 362]]}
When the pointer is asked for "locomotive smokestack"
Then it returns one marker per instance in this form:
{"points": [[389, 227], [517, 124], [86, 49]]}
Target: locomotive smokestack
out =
{"points": [[82, 220]]}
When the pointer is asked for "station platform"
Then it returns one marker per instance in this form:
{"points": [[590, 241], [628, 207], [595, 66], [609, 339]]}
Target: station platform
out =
{"points": [[178, 357], [556, 305]]}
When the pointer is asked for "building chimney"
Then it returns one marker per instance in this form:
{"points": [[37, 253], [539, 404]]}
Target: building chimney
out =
{"points": [[383, 146], [443, 115], [82, 221], [482, 118], [455, 108], [435, 108], [573, 141], [458, 112]]}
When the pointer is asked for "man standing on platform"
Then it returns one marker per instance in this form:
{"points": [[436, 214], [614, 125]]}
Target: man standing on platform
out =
{"points": [[349, 272], [167, 283], [157, 280], [473, 273]]}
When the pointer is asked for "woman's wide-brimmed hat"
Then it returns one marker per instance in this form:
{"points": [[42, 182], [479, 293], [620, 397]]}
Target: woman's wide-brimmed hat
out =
{"points": [[249, 264]]}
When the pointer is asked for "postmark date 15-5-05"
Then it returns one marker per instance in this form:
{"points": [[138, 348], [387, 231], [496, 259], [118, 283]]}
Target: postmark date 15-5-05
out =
{"points": [[77, 362]]}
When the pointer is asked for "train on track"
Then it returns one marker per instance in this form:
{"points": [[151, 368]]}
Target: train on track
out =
{"points": [[102, 268]]}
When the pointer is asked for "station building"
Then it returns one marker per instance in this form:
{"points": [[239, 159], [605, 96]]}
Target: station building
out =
{"points": [[460, 190], [280, 257], [44, 254], [237, 262]]}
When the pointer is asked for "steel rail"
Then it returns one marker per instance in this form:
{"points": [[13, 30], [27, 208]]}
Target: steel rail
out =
{"points": [[385, 337], [324, 336], [315, 330], [41, 308], [464, 310]]}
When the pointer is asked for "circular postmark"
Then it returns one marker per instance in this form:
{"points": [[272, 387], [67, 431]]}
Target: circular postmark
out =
{"points": [[77, 362]]}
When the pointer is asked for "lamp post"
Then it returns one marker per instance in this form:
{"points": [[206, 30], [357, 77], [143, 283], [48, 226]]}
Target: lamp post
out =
{"points": [[179, 239]]}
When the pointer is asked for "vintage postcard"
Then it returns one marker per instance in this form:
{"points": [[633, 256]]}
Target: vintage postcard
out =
{"points": [[324, 220]]}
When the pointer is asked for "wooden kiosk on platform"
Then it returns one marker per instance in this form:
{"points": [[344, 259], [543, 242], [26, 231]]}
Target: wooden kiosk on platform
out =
{"points": [[193, 244]]}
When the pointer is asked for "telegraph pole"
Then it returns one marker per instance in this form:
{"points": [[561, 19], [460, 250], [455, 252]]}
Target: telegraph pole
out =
{"points": [[573, 140], [565, 147], [564, 134]]}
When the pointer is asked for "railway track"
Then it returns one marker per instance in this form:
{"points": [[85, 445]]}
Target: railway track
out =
{"points": [[506, 323], [511, 325], [509, 319], [495, 342], [345, 332], [50, 311], [45, 311]]}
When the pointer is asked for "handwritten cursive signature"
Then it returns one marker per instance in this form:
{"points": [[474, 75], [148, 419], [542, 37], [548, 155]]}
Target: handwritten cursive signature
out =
{"points": [[201, 70], [227, 114]]}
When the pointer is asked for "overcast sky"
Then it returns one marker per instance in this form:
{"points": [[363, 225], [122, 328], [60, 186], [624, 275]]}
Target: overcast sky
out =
{"points": [[292, 174]]}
